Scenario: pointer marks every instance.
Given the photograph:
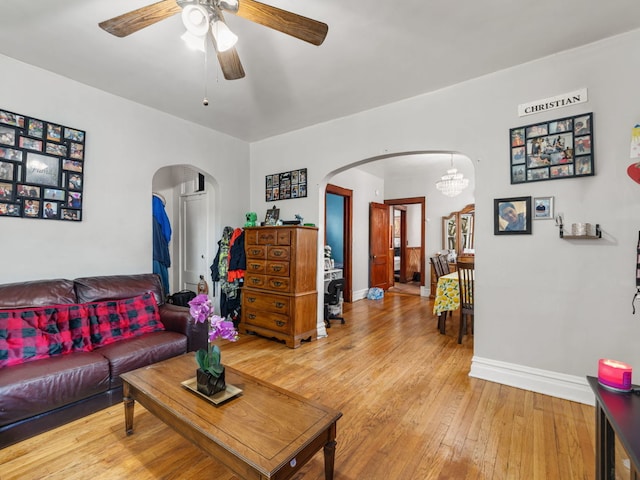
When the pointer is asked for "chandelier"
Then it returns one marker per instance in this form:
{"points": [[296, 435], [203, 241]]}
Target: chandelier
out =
{"points": [[453, 182]]}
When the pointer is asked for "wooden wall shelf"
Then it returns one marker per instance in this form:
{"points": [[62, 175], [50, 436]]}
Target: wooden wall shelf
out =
{"points": [[581, 237]]}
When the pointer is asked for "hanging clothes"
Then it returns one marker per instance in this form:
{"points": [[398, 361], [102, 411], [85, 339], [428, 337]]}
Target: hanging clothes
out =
{"points": [[230, 281], [161, 238]]}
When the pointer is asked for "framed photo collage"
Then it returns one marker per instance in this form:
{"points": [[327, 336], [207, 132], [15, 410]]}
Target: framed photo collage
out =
{"points": [[282, 186], [556, 149], [41, 168]]}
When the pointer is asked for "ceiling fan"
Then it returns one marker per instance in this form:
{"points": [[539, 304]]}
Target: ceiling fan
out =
{"points": [[205, 17]]}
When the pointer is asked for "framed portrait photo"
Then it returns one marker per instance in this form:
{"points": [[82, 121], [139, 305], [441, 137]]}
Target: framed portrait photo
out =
{"points": [[512, 216], [543, 208]]}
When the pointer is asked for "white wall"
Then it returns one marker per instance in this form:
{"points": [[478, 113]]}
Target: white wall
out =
{"points": [[126, 144], [546, 308]]}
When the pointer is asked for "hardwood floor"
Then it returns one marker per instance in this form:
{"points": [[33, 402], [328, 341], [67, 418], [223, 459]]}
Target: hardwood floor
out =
{"points": [[410, 412]]}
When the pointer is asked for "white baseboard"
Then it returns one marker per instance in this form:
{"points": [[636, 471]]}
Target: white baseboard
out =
{"points": [[359, 295], [568, 387]]}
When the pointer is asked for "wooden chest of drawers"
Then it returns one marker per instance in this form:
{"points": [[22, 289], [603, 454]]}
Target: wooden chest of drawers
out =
{"points": [[279, 297]]}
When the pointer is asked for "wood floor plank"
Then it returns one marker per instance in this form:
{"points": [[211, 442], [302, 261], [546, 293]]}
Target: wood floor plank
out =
{"points": [[410, 411]]}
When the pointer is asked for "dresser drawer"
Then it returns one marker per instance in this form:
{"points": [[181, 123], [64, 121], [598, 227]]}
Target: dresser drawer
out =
{"points": [[263, 301], [256, 251], [283, 237], [256, 266], [266, 236], [264, 319], [278, 284], [255, 280], [277, 268], [278, 253]]}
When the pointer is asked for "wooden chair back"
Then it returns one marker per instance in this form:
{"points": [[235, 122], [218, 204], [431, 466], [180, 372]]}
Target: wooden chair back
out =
{"points": [[437, 266], [466, 279], [444, 264]]}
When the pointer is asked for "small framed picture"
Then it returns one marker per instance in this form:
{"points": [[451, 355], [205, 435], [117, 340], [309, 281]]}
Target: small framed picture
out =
{"points": [[9, 209], [9, 118], [273, 214], [73, 134], [327, 264], [69, 214], [54, 132], [28, 191], [31, 144], [31, 208], [76, 150], [512, 216], [53, 194], [50, 210], [543, 208], [6, 191], [74, 182], [57, 149], [35, 128], [7, 170], [73, 165], [11, 154], [74, 200], [7, 136]]}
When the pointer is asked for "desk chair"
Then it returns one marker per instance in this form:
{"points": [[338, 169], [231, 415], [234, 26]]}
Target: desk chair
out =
{"points": [[466, 279], [333, 297]]}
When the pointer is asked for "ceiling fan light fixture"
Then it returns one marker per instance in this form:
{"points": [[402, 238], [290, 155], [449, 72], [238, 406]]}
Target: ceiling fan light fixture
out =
{"points": [[193, 42], [196, 19], [223, 36]]}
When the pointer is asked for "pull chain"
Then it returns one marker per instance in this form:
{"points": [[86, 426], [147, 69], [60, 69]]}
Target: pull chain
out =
{"points": [[205, 100]]}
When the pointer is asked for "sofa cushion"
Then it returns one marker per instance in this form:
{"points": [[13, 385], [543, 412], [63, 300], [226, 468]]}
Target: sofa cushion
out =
{"points": [[33, 333], [39, 293], [32, 388], [132, 353], [115, 320], [115, 287]]}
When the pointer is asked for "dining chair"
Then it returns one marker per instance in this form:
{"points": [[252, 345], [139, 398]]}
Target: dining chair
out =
{"points": [[466, 279], [436, 261], [444, 263]]}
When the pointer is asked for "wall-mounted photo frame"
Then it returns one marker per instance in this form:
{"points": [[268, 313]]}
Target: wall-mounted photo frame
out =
{"points": [[555, 149], [286, 185], [543, 208], [41, 168], [512, 216]]}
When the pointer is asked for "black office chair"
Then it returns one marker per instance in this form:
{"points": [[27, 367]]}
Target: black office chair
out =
{"points": [[333, 297]]}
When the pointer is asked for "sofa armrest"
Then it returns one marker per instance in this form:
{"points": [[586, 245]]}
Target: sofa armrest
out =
{"points": [[178, 319]]}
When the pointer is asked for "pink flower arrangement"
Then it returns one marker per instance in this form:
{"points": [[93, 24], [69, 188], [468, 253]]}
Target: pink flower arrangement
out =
{"points": [[201, 310]]}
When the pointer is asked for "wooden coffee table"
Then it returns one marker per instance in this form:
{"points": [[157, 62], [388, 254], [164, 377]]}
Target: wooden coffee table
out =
{"points": [[266, 432]]}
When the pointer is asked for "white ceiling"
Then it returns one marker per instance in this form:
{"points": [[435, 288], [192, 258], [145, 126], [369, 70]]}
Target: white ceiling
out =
{"points": [[375, 53]]}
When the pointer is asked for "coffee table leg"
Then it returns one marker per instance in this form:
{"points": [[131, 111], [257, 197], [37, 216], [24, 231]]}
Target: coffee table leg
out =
{"points": [[330, 454], [128, 408]]}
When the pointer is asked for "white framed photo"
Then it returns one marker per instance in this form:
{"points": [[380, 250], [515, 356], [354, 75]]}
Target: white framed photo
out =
{"points": [[543, 208]]}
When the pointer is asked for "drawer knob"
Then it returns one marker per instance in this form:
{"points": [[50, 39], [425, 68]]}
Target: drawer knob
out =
{"points": [[251, 316], [276, 268], [255, 281], [251, 299], [255, 266], [277, 284], [279, 304], [277, 253], [279, 323]]}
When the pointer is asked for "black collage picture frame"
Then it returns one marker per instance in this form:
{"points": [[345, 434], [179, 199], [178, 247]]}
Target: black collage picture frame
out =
{"points": [[41, 168], [561, 148], [286, 185]]}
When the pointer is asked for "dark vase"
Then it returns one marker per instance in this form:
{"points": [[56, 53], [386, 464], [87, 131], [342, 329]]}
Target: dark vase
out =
{"points": [[209, 384]]}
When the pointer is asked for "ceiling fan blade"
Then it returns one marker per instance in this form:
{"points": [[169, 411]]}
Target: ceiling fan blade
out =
{"points": [[131, 22], [290, 23], [230, 64]]}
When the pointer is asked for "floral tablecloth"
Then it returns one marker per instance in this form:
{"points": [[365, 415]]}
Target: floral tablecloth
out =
{"points": [[447, 294]]}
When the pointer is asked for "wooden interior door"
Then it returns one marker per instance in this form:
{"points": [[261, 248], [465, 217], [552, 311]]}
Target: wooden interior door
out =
{"points": [[379, 245]]}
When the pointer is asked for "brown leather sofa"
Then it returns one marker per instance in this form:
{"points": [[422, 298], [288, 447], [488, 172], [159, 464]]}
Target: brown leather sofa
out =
{"points": [[43, 394]]}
